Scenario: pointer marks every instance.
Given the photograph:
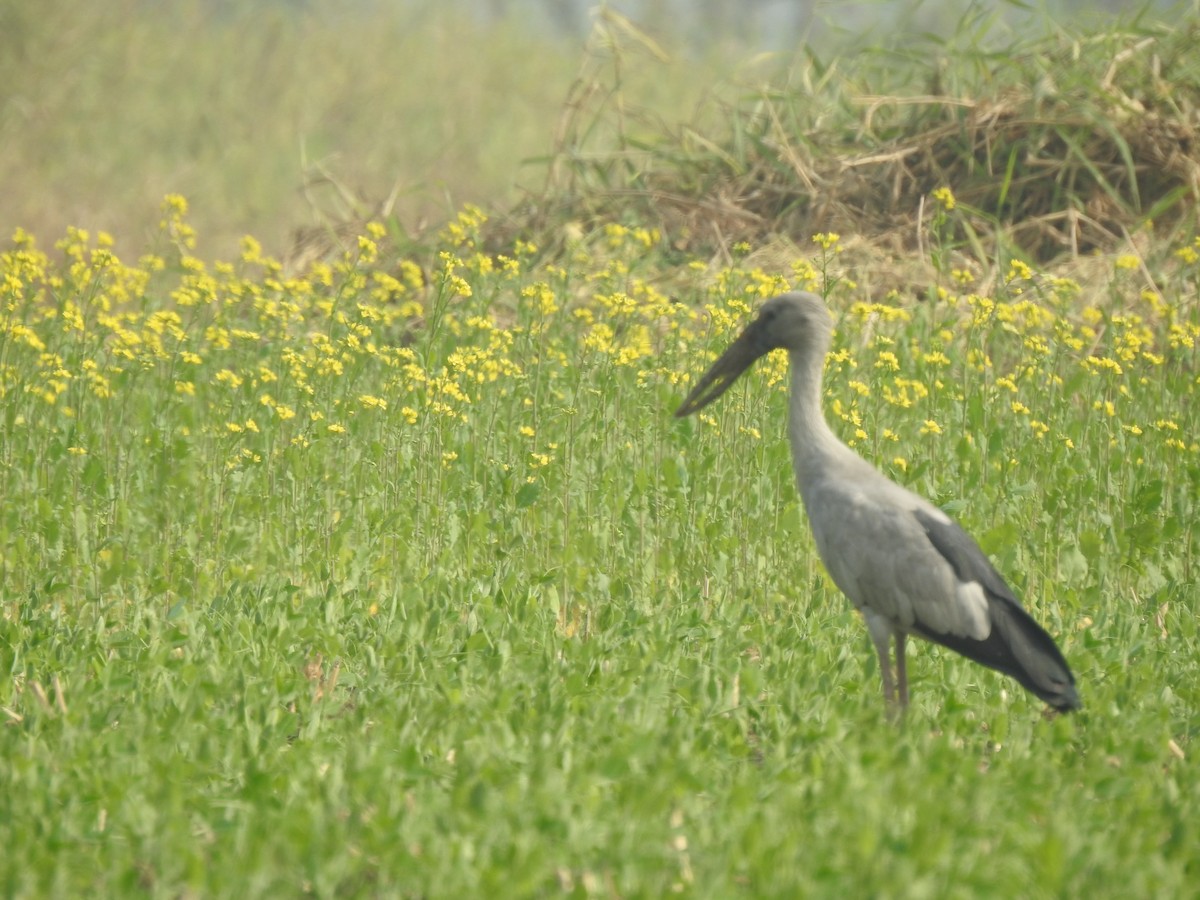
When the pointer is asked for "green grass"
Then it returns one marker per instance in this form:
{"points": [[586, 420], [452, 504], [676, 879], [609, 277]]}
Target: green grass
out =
{"points": [[523, 633]]}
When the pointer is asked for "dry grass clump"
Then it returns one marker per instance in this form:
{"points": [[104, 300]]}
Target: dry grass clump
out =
{"points": [[1061, 144]]}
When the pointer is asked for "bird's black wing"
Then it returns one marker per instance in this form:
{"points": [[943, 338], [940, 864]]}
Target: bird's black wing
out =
{"points": [[1016, 644]]}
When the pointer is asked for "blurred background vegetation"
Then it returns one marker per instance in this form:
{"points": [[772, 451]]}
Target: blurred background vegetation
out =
{"points": [[250, 109], [277, 116]]}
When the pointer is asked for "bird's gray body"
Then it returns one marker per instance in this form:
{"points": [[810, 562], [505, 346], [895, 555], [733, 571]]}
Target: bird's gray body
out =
{"points": [[876, 550], [903, 563]]}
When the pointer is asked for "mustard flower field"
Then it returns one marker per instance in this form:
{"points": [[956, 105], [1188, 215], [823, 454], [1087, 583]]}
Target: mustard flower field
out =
{"points": [[394, 576]]}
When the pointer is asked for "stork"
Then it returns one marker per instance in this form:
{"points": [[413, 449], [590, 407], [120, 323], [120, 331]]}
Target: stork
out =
{"points": [[904, 564]]}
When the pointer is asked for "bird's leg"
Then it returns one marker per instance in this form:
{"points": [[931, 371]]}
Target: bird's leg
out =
{"points": [[901, 670], [889, 689], [882, 638]]}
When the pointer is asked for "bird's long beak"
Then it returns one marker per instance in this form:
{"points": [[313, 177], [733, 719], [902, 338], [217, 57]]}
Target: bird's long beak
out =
{"points": [[724, 372]]}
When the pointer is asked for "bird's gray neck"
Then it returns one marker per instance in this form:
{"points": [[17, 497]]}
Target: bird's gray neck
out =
{"points": [[814, 445]]}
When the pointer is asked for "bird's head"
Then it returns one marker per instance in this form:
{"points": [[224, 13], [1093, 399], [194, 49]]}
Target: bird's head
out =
{"points": [[797, 322]]}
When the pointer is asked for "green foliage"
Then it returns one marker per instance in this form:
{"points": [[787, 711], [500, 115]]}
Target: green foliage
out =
{"points": [[363, 582]]}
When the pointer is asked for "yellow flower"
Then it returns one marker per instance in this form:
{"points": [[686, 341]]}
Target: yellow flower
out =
{"points": [[945, 197], [1007, 383], [806, 273], [368, 251], [1018, 269], [1099, 363], [282, 410], [931, 427], [647, 237], [464, 229], [826, 240], [251, 250], [543, 297], [459, 285], [175, 205]]}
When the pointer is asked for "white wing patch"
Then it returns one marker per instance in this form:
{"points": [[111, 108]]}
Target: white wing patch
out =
{"points": [[972, 608]]}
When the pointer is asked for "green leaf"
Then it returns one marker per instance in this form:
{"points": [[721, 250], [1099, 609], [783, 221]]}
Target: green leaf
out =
{"points": [[1072, 565], [528, 494]]}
